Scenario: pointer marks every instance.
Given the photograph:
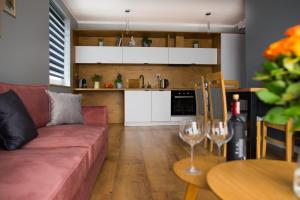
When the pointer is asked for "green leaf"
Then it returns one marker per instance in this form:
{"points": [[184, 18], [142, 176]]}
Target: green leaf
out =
{"points": [[292, 92], [269, 65], [296, 123], [293, 111], [276, 116], [260, 76], [277, 86], [268, 97], [292, 65]]}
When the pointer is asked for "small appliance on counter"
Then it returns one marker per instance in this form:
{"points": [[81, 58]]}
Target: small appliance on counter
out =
{"points": [[164, 83]]}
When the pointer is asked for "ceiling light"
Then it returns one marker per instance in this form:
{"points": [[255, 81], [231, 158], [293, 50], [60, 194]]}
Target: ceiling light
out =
{"points": [[127, 12], [208, 14]]}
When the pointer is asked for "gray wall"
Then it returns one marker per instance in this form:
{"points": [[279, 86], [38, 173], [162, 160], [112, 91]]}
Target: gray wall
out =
{"points": [[24, 43], [266, 22]]}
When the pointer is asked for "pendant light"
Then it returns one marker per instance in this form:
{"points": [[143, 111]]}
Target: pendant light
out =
{"points": [[127, 24], [208, 14]]}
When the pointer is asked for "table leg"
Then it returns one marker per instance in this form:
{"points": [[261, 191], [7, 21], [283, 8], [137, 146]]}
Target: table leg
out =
{"points": [[252, 110], [191, 192]]}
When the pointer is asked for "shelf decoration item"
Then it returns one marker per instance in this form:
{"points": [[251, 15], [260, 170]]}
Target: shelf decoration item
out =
{"points": [[132, 42], [10, 7], [281, 78], [195, 44], [119, 81], [146, 42], [101, 42], [96, 78]]}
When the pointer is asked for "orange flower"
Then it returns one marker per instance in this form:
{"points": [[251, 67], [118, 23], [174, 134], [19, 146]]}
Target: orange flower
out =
{"points": [[287, 46], [293, 31]]}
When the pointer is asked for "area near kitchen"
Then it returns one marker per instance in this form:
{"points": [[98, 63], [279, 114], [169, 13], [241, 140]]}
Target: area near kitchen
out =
{"points": [[157, 80]]}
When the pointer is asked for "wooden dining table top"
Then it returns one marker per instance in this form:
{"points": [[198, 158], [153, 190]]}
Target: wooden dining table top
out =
{"points": [[253, 179]]}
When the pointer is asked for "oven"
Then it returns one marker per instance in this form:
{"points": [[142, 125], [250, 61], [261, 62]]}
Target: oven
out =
{"points": [[183, 103]]}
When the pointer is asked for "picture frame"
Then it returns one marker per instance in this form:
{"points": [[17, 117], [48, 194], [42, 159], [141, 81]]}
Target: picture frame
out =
{"points": [[10, 7]]}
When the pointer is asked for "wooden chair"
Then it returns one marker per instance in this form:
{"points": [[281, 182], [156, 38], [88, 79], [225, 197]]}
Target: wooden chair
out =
{"points": [[262, 138], [201, 102], [215, 81]]}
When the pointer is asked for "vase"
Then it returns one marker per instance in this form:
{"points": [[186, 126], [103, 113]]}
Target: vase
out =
{"points": [[119, 85], [96, 85]]}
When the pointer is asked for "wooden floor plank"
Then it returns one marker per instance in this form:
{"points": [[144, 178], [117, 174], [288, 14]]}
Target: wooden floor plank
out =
{"points": [[139, 165]]}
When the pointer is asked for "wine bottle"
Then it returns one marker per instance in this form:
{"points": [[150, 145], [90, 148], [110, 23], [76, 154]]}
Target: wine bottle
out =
{"points": [[236, 148]]}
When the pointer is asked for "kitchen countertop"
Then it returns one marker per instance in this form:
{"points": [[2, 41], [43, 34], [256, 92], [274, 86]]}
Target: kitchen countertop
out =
{"points": [[129, 89]]}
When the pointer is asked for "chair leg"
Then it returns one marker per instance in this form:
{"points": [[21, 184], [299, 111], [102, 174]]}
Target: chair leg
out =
{"points": [[264, 139], [205, 143], [258, 139], [224, 150], [289, 142], [211, 146]]}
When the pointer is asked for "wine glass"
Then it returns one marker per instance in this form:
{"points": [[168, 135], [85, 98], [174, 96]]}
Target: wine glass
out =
{"points": [[219, 134], [192, 132]]}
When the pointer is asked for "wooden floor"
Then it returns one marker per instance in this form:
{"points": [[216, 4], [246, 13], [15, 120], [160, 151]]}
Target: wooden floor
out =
{"points": [[139, 164]]}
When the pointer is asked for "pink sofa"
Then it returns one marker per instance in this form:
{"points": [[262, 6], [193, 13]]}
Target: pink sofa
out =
{"points": [[62, 162]]}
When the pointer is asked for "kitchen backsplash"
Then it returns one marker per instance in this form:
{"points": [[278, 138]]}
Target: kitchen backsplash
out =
{"points": [[178, 76]]}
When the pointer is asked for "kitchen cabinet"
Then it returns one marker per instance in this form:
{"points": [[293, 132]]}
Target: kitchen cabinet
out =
{"points": [[142, 55], [87, 54], [205, 56], [137, 106], [161, 106], [97, 54]]}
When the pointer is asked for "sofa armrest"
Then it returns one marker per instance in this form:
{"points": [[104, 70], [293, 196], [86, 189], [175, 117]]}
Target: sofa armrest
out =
{"points": [[95, 115]]}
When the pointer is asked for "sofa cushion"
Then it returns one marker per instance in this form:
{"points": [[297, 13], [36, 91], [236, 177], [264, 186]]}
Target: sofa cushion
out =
{"points": [[37, 174], [65, 108], [35, 100], [16, 125], [91, 137]]}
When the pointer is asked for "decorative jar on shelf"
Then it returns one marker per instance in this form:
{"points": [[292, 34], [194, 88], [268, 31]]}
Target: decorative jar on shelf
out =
{"points": [[96, 85]]}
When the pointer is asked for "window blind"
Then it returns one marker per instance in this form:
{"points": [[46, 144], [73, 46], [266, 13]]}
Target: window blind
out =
{"points": [[56, 43]]}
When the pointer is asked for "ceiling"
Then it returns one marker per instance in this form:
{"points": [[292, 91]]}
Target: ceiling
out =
{"points": [[157, 14]]}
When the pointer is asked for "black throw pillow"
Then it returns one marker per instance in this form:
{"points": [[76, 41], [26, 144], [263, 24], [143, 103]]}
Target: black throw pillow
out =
{"points": [[16, 125]]}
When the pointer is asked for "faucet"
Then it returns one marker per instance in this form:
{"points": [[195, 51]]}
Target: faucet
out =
{"points": [[142, 81]]}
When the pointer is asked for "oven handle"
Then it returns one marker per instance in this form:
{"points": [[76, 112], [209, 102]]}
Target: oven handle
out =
{"points": [[184, 97]]}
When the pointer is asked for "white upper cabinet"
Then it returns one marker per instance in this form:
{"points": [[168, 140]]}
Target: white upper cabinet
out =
{"points": [[96, 54], [111, 54], [142, 55], [87, 54], [161, 106], [205, 56]]}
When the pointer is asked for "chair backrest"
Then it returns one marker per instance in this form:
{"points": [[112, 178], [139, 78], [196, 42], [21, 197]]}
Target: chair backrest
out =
{"points": [[233, 84], [201, 99], [216, 96]]}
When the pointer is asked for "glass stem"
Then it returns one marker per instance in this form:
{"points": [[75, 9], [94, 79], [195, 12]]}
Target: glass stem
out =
{"points": [[192, 157], [219, 153]]}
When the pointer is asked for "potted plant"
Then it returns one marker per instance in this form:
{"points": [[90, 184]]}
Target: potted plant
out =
{"points": [[281, 79], [146, 42], [96, 78], [101, 42], [195, 44], [119, 81]]}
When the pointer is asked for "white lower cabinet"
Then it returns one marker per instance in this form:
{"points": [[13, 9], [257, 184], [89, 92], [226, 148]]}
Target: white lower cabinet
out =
{"points": [[147, 107], [137, 106], [161, 106]]}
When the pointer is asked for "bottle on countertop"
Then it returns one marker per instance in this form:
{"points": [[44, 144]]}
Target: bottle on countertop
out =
{"points": [[236, 147]]}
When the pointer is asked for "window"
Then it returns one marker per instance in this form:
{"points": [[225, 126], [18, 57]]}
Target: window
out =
{"points": [[59, 46]]}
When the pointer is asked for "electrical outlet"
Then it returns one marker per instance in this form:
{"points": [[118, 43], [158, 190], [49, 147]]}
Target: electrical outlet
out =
{"points": [[157, 76]]}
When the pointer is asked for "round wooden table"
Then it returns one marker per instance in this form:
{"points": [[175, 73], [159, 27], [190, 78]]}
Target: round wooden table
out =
{"points": [[196, 183], [253, 179]]}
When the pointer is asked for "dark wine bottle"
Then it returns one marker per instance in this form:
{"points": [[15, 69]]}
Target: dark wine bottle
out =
{"points": [[236, 148]]}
